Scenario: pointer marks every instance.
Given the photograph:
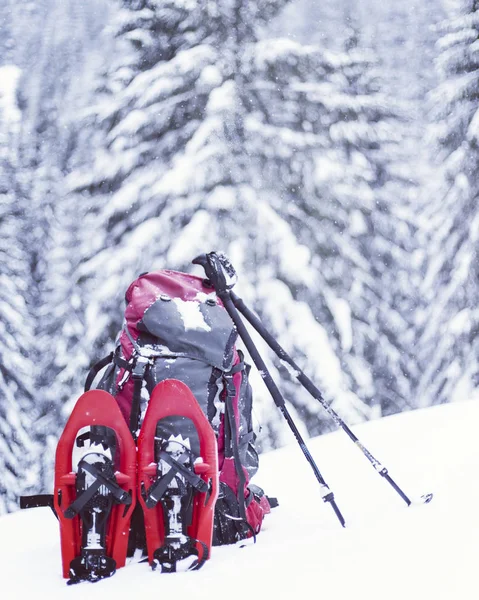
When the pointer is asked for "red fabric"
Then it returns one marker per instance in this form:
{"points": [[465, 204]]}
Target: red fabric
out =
{"points": [[124, 398], [229, 475], [256, 511]]}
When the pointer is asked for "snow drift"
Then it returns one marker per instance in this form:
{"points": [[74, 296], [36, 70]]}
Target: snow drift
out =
{"points": [[386, 551]]}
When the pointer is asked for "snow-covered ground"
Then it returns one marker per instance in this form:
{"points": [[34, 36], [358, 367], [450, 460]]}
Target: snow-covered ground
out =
{"points": [[387, 550]]}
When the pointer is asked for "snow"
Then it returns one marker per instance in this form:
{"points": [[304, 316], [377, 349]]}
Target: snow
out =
{"points": [[210, 78], [202, 297], [294, 373], [294, 257], [341, 312], [9, 77], [190, 241], [222, 197], [386, 550], [191, 314], [357, 223]]}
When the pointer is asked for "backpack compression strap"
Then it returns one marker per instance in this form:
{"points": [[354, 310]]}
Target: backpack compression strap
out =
{"points": [[138, 373], [137, 368]]}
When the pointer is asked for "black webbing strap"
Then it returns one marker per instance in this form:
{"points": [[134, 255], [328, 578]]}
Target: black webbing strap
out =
{"points": [[81, 501], [137, 368], [118, 493], [37, 501], [135, 407], [97, 367], [122, 363], [138, 374], [237, 368], [188, 474], [160, 486], [229, 413], [273, 502]]}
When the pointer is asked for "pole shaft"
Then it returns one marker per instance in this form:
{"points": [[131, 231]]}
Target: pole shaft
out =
{"points": [[268, 380], [312, 389]]}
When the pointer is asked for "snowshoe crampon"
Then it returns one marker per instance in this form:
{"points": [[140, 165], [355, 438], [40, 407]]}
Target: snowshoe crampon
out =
{"points": [[95, 488], [178, 479]]}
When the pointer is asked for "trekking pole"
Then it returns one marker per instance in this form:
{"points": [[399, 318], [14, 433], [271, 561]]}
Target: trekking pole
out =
{"points": [[314, 391], [214, 265], [311, 388]]}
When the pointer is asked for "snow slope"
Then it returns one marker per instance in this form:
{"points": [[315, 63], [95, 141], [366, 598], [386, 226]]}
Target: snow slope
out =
{"points": [[387, 551]]}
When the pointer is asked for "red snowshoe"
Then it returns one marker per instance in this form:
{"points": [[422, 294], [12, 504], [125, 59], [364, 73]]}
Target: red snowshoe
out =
{"points": [[95, 488], [178, 478]]}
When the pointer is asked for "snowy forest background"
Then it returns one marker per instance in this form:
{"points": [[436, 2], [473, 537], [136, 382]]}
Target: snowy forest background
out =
{"points": [[329, 147]]}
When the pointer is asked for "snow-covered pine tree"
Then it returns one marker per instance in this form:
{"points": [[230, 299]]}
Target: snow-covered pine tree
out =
{"points": [[398, 37], [212, 138], [17, 410], [402, 36], [374, 232], [354, 219], [450, 338]]}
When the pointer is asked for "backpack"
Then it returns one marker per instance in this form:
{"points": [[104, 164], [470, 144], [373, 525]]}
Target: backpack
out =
{"points": [[176, 328]]}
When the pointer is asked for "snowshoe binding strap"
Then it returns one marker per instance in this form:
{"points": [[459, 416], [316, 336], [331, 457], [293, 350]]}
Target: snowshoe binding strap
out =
{"points": [[160, 486], [98, 473]]}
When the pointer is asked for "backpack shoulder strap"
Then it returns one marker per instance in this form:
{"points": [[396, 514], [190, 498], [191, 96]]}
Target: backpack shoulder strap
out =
{"points": [[102, 363], [96, 368]]}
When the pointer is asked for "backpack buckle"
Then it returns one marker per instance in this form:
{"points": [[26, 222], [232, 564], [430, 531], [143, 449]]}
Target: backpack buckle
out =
{"points": [[140, 366]]}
